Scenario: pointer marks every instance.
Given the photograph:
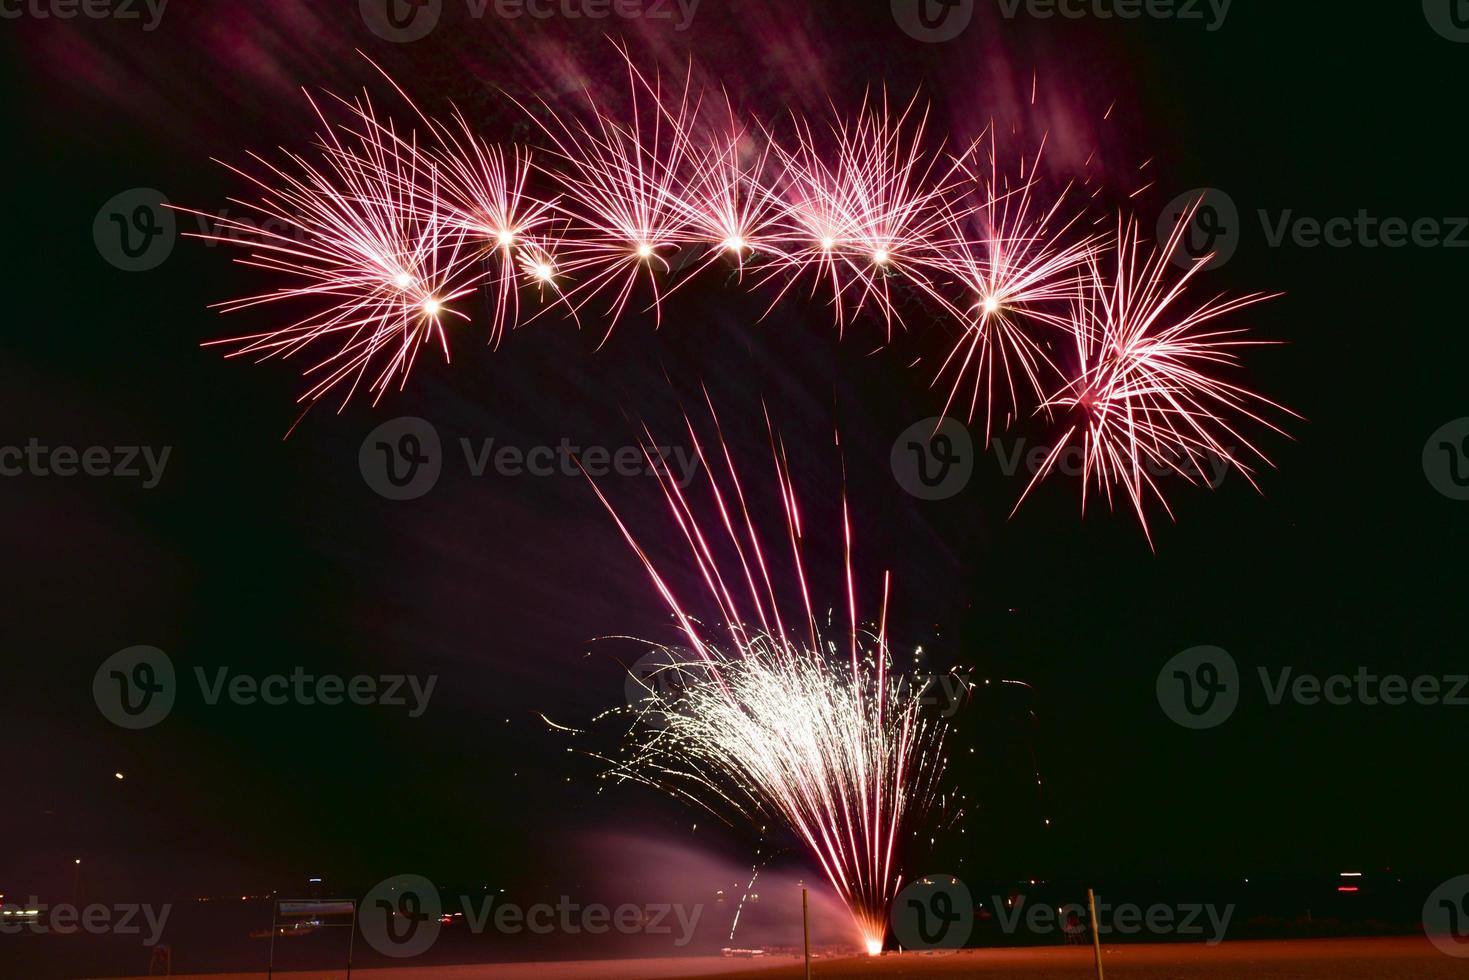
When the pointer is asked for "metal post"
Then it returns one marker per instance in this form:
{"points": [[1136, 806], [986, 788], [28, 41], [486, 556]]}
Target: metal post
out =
{"points": [[274, 908], [1091, 904], [806, 930], [351, 940]]}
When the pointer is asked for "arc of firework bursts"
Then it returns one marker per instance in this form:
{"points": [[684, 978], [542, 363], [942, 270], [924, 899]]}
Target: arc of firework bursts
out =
{"points": [[774, 719], [389, 231]]}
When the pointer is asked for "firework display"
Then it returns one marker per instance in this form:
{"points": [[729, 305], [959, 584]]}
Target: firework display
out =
{"points": [[773, 714], [770, 715], [385, 241]]}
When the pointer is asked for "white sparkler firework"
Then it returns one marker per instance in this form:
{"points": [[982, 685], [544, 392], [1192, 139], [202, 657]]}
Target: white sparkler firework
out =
{"points": [[779, 721]]}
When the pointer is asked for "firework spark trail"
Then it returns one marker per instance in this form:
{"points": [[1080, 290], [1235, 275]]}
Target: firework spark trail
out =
{"points": [[1144, 400], [777, 720], [1019, 272], [874, 210], [365, 232]]}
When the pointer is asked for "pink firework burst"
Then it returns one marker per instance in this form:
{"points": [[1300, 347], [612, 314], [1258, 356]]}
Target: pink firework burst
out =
{"points": [[623, 184], [1146, 400], [724, 204], [1022, 273], [872, 210], [484, 191], [363, 237]]}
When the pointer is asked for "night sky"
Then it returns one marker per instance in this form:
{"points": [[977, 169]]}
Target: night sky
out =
{"points": [[261, 552]]}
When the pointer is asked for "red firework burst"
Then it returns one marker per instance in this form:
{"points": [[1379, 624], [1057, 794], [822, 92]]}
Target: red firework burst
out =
{"points": [[1145, 400]]}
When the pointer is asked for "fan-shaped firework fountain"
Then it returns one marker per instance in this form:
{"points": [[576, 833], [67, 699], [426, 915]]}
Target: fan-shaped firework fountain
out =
{"points": [[774, 717]]}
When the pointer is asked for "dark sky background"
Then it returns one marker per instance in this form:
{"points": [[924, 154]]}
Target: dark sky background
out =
{"points": [[262, 553]]}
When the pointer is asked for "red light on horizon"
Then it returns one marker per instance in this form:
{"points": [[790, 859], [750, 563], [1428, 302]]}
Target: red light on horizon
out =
{"points": [[1347, 888]]}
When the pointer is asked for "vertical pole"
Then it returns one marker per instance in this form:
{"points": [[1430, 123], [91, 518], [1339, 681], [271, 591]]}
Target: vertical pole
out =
{"points": [[806, 930], [351, 939], [274, 907], [1091, 903]]}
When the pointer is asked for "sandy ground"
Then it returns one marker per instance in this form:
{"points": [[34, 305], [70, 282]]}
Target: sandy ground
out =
{"points": [[1329, 959]]}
